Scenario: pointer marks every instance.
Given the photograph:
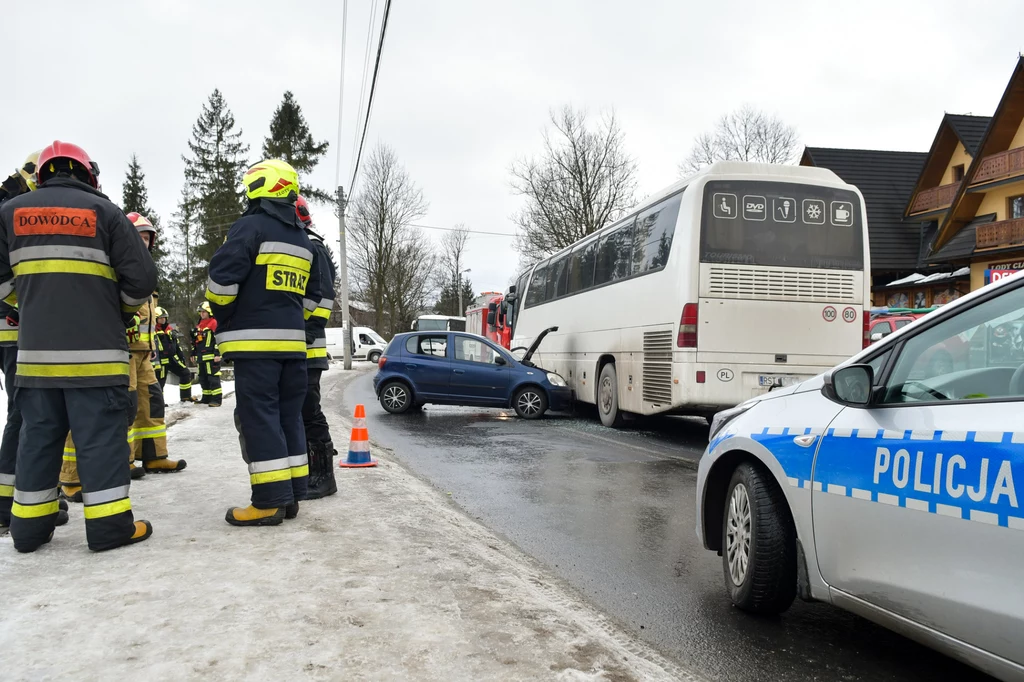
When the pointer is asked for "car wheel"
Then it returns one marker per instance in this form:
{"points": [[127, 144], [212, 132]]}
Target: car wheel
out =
{"points": [[395, 398], [608, 397], [373, 357], [941, 363], [530, 403], [758, 543]]}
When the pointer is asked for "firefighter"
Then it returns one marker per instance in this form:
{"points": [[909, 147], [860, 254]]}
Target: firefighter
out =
{"points": [[318, 435], [148, 434], [21, 181], [264, 283], [206, 355], [67, 252], [169, 357]]}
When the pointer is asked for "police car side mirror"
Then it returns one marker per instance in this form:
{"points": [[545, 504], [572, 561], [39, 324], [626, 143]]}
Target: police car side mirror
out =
{"points": [[850, 385]]}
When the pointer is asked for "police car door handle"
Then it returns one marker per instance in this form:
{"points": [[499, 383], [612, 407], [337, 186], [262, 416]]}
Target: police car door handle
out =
{"points": [[805, 441]]}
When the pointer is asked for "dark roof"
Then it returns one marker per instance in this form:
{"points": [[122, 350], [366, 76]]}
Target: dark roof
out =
{"points": [[970, 130], [886, 180], [961, 246]]}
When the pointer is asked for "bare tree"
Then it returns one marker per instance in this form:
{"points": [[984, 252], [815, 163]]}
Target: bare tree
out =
{"points": [[451, 262], [746, 134], [390, 263], [583, 180]]}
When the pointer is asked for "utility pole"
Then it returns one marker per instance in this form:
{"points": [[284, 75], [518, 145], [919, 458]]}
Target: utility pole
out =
{"points": [[346, 316]]}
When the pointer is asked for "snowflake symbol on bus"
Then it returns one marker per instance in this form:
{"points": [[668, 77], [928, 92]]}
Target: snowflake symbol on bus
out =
{"points": [[813, 212]]}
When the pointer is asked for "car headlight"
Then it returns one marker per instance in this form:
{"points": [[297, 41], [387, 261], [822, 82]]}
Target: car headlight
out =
{"points": [[725, 416], [556, 380]]}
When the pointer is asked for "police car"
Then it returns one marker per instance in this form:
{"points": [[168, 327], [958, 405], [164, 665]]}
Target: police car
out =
{"points": [[889, 486]]}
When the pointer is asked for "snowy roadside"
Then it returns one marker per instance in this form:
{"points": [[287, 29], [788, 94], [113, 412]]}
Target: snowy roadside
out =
{"points": [[386, 580]]}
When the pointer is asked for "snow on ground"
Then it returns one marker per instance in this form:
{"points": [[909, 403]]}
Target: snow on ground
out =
{"points": [[385, 580], [177, 410]]}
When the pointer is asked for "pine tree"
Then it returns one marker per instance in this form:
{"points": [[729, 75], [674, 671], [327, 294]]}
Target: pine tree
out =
{"points": [[448, 299], [291, 141], [214, 171], [135, 197]]}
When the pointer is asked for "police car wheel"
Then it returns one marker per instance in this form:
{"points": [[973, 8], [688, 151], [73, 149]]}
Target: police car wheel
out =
{"points": [[758, 543], [395, 398]]}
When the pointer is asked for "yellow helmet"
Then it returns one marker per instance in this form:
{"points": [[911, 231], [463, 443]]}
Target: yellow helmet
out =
{"points": [[205, 306], [28, 169], [159, 312], [273, 179]]}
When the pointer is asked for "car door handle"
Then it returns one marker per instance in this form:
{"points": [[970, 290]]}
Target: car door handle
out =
{"points": [[410, 366], [458, 371]]}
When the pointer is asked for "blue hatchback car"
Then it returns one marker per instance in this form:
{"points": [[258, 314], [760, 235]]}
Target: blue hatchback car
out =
{"points": [[454, 368]]}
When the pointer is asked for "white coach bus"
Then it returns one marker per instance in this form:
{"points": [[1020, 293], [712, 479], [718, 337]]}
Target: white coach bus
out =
{"points": [[739, 279]]}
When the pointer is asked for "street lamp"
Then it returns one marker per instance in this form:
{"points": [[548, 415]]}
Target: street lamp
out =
{"points": [[462, 309]]}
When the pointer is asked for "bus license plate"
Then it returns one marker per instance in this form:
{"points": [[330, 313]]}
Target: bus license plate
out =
{"points": [[769, 380]]}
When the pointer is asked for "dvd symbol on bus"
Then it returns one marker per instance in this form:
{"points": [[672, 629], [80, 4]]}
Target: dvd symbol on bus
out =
{"points": [[829, 313]]}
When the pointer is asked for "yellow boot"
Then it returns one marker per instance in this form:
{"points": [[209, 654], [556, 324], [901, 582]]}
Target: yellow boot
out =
{"points": [[251, 516], [137, 472], [142, 531], [164, 466], [72, 493]]}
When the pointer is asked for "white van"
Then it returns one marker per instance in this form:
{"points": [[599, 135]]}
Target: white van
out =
{"points": [[369, 345]]}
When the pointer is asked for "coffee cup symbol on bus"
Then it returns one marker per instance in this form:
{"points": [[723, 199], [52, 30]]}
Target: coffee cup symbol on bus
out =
{"points": [[842, 213]]}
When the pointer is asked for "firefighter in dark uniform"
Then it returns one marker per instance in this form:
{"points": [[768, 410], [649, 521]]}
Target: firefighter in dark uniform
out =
{"points": [[206, 355], [67, 252], [318, 434], [169, 357], [21, 181], [264, 283]]}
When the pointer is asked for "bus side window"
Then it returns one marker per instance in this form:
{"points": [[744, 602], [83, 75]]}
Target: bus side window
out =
{"points": [[654, 231], [613, 255], [581, 267], [535, 294], [556, 278]]}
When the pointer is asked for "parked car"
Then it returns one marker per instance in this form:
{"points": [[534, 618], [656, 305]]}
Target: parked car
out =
{"points": [[367, 344], [890, 486], [456, 368]]}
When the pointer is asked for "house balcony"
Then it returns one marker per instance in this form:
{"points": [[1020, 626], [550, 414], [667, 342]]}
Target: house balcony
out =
{"points": [[1000, 166], [1003, 233], [935, 198]]}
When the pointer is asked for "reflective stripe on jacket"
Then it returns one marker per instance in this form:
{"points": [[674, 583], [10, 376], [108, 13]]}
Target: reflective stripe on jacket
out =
{"points": [[316, 337], [264, 283], [68, 253]]}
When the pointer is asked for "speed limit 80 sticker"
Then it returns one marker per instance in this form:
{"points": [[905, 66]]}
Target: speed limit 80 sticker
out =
{"points": [[849, 314]]}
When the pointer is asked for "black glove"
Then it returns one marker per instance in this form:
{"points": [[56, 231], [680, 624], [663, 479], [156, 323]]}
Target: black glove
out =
{"points": [[13, 186]]}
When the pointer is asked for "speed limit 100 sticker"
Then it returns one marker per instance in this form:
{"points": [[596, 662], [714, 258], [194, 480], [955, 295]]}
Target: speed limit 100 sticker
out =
{"points": [[849, 314], [829, 313]]}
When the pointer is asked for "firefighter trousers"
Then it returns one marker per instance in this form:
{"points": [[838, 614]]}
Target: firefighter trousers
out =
{"points": [[313, 419], [97, 417], [209, 379], [175, 367], [69, 467], [9, 446], [148, 434], [268, 399]]}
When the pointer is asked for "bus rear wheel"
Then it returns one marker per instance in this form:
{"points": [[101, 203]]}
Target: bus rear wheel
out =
{"points": [[608, 397]]}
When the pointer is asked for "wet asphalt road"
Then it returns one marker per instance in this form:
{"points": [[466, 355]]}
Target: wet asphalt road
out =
{"points": [[612, 513]]}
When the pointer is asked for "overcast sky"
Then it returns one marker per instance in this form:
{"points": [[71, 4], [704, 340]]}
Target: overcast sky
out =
{"points": [[466, 86]]}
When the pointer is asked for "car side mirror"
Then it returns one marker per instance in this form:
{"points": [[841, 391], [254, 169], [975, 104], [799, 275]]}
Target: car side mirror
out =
{"points": [[499, 360], [851, 385], [877, 336]]}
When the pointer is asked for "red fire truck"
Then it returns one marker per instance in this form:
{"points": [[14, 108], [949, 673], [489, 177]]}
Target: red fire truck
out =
{"points": [[486, 317]]}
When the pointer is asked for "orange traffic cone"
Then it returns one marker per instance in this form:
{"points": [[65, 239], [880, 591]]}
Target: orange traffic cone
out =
{"points": [[359, 446]]}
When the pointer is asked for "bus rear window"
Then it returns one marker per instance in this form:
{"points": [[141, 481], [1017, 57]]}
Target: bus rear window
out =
{"points": [[781, 224]]}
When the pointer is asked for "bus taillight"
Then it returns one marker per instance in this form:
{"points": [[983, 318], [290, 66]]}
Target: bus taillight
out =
{"points": [[867, 328], [687, 337]]}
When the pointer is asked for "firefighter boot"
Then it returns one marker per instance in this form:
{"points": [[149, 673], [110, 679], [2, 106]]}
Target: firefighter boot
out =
{"points": [[251, 516], [291, 510], [72, 493], [137, 471], [62, 512], [323, 484], [315, 468], [140, 531], [164, 465]]}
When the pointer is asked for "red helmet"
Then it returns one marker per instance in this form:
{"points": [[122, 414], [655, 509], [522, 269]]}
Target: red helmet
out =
{"points": [[302, 210], [142, 224], [54, 158]]}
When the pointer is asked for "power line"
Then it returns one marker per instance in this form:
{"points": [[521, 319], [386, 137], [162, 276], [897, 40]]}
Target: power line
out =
{"points": [[456, 229], [365, 77], [373, 88]]}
